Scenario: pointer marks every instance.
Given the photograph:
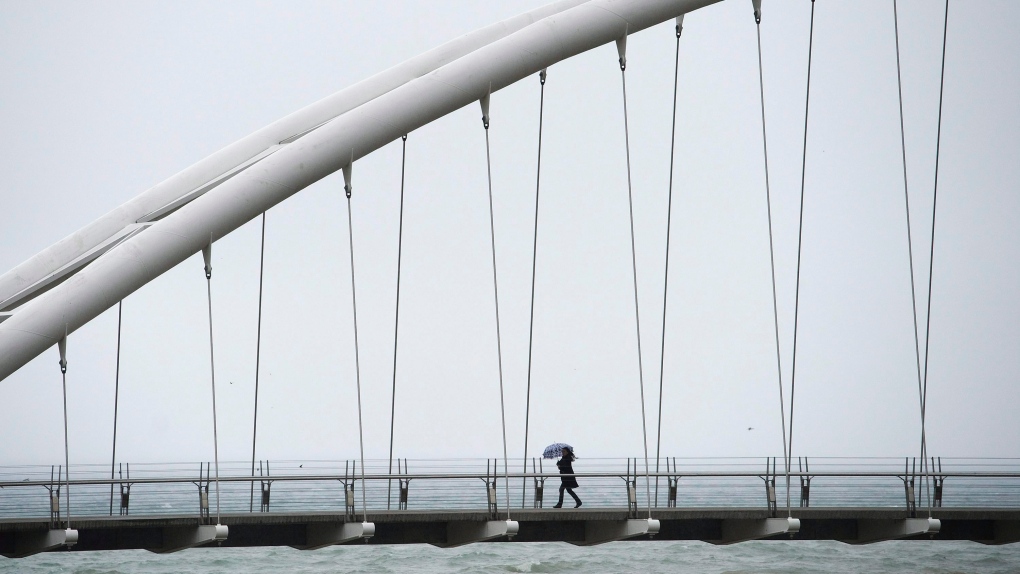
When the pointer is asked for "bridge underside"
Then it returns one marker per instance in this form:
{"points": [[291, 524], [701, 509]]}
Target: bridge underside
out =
{"points": [[718, 526]]}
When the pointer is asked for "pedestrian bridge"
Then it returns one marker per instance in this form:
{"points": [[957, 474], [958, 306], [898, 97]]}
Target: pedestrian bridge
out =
{"points": [[308, 505]]}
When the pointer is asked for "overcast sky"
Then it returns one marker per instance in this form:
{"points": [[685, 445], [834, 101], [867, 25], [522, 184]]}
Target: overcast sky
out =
{"points": [[102, 100]]}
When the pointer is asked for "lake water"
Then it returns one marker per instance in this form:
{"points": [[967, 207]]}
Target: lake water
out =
{"points": [[653, 557]]}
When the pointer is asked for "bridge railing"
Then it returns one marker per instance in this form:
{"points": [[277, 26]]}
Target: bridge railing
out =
{"points": [[165, 489]]}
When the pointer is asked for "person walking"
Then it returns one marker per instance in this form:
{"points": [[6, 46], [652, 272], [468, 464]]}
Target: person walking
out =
{"points": [[567, 483]]}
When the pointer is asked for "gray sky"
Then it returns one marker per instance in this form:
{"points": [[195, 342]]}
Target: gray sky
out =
{"points": [[102, 100]]}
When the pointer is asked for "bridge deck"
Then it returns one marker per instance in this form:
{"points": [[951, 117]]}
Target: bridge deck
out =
{"points": [[989, 526]]}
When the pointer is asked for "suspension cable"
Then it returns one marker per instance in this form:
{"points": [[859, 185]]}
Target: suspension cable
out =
{"points": [[772, 263], [62, 346], [116, 398], [800, 235], [396, 315], [622, 48], [357, 360], [207, 254], [906, 200], [534, 258], [258, 353], [665, 275], [495, 291], [931, 255]]}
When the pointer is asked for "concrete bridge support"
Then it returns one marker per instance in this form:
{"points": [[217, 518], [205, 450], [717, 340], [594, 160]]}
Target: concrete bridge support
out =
{"points": [[602, 531], [465, 532], [737, 530], [182, 538], [320, 535], [869, 531], [23, 537], [36, 541], [1006, 532]]}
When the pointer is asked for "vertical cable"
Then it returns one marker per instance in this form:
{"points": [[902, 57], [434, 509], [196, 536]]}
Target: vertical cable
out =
{"points": [[116, 399], [495, 291], [800, 234], [534, 259], [772, 264], [931, 255], [357, 360], [906, 200], [396, 315], [67, 456], [207, 253], [633, 260], [258, 353], [665, 274]]}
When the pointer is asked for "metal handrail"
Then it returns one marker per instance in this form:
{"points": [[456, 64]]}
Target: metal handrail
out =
{"points": [[164, 489], [519, 475]]}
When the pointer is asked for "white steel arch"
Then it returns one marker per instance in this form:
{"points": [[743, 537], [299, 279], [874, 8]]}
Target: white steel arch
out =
{"points": [[75, 280]]}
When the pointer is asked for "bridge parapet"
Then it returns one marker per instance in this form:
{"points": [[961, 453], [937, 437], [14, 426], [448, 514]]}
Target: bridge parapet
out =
{"points": [[447, 503], [160, 489]]}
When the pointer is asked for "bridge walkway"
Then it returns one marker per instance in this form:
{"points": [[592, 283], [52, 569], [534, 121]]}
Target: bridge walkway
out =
{"points": [[713, 525]]}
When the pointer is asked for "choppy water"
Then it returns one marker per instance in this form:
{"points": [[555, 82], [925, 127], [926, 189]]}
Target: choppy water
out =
{"points": [[652, 557]]}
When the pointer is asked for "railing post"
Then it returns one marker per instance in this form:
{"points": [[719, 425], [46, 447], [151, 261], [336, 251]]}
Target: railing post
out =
{"points": [[673, 483], [805, 484], [539, 483], [125, 490], [632, 490], [939, 481], [203, 493], [265, 486], [404, 484], [770, 487], [54, 490], [490, 487], [908, 486]]}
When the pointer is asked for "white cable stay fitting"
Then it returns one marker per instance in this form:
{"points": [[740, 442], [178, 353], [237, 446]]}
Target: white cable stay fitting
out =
{"points": [[679, 25], [484, 102], [207, 257], [757, 11], [62, 348], [621, 49], [347, 169]]}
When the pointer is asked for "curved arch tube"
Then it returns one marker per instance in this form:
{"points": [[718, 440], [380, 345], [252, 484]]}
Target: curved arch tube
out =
{"points": [[301, 161]]}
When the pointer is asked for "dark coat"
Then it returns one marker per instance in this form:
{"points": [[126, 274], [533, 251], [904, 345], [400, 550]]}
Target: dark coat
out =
{"points": [[564, 465]]}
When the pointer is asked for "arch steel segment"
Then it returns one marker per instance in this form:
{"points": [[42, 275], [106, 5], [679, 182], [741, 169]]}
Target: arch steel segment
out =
{"points": [[319, 152], [69, 254]]}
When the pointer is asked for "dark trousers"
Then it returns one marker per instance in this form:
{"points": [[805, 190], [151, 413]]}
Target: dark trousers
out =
{"points": [[572, 495]]}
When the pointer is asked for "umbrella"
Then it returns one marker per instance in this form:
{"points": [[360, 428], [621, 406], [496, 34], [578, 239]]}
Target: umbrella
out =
{"points": [[555, 450]]}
